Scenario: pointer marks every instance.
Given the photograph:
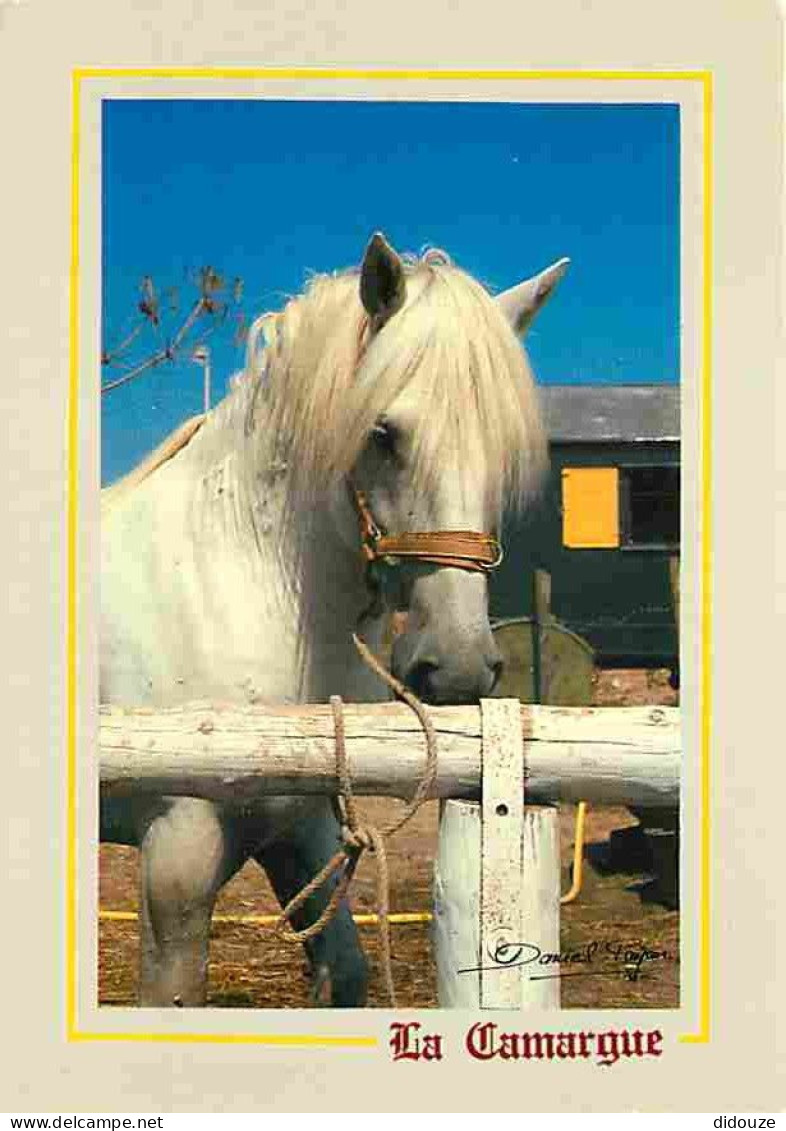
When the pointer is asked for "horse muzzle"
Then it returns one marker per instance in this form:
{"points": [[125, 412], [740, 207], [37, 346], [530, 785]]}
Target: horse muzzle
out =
{"points": [[460, 675]]}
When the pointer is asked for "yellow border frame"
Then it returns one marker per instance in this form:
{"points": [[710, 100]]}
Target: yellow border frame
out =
{"points": [[79, 74]]}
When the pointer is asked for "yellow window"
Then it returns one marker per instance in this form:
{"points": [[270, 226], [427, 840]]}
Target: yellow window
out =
{"points": [[590, 508]]}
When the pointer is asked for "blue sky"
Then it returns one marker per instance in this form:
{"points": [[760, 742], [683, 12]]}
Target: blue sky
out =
{"points": [[270, 190]]}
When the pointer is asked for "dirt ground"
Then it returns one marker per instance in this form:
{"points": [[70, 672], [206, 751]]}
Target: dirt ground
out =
{"points": [[249, 966]]}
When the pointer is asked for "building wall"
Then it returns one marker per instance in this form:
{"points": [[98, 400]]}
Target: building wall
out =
{"points": [[618, 599]]}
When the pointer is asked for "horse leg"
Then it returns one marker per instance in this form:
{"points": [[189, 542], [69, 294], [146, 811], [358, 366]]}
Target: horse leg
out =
{"points": [[338, 966], [187, 853]]}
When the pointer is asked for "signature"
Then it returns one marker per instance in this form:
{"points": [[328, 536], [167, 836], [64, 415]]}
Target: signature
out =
{"points": [[607, 958]]}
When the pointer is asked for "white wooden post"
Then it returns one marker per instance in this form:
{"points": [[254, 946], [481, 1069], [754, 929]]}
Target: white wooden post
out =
{"points": [[497, 883], [456, 923]]}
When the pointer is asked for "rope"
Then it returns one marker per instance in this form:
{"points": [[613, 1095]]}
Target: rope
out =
{"points": [[358, 837], [408, 697]]}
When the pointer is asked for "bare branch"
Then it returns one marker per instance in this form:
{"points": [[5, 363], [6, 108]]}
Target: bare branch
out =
{"points": [[210, 311], [118, 351], [149, 363]]}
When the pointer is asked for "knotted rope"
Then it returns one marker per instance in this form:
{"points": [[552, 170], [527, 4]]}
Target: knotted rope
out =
{"points": [[356, 836]]}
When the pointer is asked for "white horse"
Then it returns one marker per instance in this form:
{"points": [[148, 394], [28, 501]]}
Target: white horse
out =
{"points": [[232, 571]]}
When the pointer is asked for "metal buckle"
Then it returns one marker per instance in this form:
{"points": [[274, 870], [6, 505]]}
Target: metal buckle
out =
{"points": [[500, 555]]}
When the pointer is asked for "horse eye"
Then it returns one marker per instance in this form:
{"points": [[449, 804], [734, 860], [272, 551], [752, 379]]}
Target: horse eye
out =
{"points": [[384, 437]]}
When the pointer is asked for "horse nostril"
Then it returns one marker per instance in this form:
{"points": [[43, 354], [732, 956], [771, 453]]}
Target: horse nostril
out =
{"points": [[419, 678], [497, 668]]}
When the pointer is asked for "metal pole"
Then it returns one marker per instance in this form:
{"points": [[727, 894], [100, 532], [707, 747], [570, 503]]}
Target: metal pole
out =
{"points": [[201, 355], [207, 380]]}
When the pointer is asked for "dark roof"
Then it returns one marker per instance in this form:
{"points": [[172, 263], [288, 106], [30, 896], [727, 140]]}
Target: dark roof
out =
{"points": [[611, 413]]}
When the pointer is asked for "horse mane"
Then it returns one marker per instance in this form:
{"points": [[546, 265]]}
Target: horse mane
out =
{"points": [[317, 380]]}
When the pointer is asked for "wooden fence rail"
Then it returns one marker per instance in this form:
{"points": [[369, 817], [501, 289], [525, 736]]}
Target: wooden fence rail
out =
{"points": [[609, 756]]}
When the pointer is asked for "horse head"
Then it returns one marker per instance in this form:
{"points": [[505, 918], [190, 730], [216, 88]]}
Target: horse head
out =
{"points": [[459, 439]]}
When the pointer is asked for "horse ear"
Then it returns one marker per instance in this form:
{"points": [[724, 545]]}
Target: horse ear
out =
{"points": [[383, 286], [521, 303]]}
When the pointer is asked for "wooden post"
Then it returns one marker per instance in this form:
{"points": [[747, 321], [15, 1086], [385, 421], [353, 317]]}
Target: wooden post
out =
{"points": [[496, 890], [456, 923], [458, 910], [541, 613], [674, 582]]}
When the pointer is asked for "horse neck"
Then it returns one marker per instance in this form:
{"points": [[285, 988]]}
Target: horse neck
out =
{"points": [[333, 597], [302, 553]]}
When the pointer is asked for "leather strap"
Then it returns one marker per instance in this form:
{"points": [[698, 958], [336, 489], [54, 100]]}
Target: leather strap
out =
{"points": [[463, 549], [457, 549]]}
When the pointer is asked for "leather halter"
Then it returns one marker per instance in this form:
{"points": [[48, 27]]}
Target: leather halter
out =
{"points": [[456, 549]]}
